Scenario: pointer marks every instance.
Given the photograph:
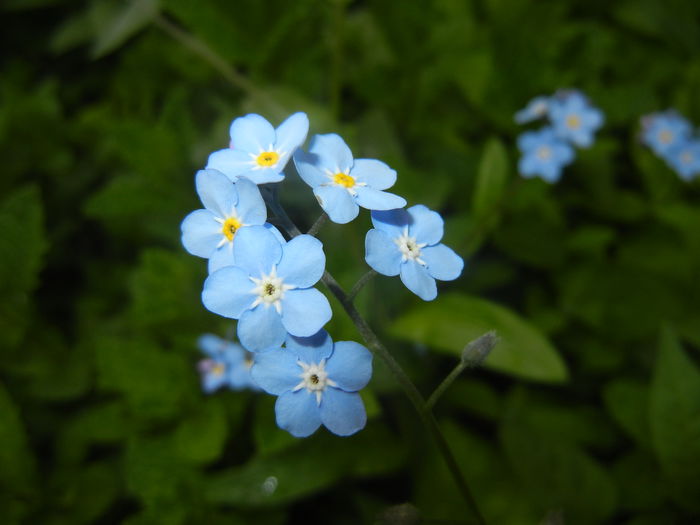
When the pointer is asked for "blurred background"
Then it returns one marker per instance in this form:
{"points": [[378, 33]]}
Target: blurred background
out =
{"points": [[588, 411]]}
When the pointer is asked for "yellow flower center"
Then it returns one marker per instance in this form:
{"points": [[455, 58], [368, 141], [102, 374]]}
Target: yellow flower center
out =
{"points": [[268, 158], [230, 227], [573, 121], [218, 369], [686, 158], [665, 137], [544, 153], [343, 179]]}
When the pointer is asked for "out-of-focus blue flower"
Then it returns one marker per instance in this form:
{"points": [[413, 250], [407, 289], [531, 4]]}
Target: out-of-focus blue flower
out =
{"points": [[573, 118], [270, 288], [341, 184], [259, 151], [228, 207], [685, 159], [664, 132], [537, 108], [543, 154], [407, 243], [227, 365], [317, 383]]}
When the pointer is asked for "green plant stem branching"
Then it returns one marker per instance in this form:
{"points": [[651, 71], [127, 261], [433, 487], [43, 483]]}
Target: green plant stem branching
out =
{"points": [[318, 224], [361, 282]]}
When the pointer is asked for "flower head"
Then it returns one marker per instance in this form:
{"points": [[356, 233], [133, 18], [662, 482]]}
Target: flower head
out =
{"points": [[574, 119], [664, 132], [685, 159], [543, 154], [270, 289], [407, 243], [341, 184], [227, 365], [257, 150], [537, 108], [317, 383]]}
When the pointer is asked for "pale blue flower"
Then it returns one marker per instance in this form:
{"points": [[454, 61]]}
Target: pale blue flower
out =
{"points": [[573, 118], [317, 383], [227, 365], [543, 154], [664, 132], [341, 184], [535, 109], [270, 289], [407, 243], [685, 159], [259, 151]]}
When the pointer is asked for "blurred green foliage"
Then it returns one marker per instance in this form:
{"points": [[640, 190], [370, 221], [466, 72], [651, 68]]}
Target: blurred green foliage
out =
{"points": [[589, 409]]}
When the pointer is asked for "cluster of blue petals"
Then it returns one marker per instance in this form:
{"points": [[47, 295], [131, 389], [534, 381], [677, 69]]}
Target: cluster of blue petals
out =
{"points": [[573, 122], [227, 365], [670, 136]]}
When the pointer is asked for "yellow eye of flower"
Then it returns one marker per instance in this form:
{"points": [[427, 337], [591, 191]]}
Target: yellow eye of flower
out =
{"points": [[230, 227], [665, 137], [573, 121], [343, 179], [218, 369], [268, 158]]}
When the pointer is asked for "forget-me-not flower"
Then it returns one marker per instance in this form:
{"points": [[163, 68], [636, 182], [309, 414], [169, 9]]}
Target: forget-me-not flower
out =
{"points": [[270, 289], [341, 184], [535, 109], [573, 118], [228, 207], [685, 159], [259, 151], [227, 364], [544, 154], [665, 131], [407, 243], [317, 383]]}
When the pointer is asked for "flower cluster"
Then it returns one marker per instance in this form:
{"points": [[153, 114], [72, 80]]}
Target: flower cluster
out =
{"points": [[670, 136], [267, 282], [573, 122]]}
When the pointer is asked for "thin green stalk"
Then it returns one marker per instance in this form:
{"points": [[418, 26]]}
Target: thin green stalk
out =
{"points": [[361, 282], [318, 224]]}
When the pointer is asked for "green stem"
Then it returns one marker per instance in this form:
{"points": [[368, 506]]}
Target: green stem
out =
{"points": [[318, 224], [361, 282], [456, 371]]}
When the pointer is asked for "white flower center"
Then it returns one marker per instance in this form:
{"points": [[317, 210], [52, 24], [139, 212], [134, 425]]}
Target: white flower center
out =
{"points": [[270, 290], [409, 248], [314, 378], [230, 224]]}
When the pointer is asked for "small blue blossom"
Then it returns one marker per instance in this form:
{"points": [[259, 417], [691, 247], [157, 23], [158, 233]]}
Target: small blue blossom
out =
{"points": [[317, 383], [664, 132], [407, 243], [342, 184], [537, 108], [685, 159], [227, 365], [574, 119], [270, 289], [257, 150], [228, 207], [543, 154]]}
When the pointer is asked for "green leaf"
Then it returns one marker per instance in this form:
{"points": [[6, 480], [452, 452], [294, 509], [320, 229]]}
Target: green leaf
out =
{"points": [[675, 419], [200, 437], [627, 401], [490, 181], [123, 25], [453, 320]]}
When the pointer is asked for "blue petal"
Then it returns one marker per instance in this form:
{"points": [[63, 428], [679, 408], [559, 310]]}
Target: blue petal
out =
{"points": [[528, 140], [211, 344], [261, 328], [252, 133], [303, 261], [343, 413], [221, 258], [350, 366], [251, 206], [216, 192], [311, 349], [375, 173], [378, 200], [230, 162], [304, 312], [427, 225], [257, 250], [417, 279], [298, 413], [333, 154], [306, 164], [381, 253], [239, 378], [276, 371], [443, 263], [265, 175], [233, 354], [227, 292], [392, 222], [212, 382], [269, 227], [337, 203], [290, 135], [200, 233]]}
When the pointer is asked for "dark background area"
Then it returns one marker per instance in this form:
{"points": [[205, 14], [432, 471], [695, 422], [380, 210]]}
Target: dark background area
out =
{"points": [[587, 411]]}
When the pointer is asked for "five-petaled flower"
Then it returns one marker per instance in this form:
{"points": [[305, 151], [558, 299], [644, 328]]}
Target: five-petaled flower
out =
{"points": [[664, 132], [573, 118], [543, 154], [259, 151], [317, 383], [341, 184], [227, 364], [535, 109], [685, 159], [407, 243]]}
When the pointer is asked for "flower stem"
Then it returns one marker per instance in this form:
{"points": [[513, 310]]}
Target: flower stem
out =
{"points": [[318, 224], [360, 284]]}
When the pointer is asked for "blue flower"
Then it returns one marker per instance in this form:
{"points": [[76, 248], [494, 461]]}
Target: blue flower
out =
{"points": [[663, 132], [317, 383], [228, 207], [685, 159], [573, 118], [543, 154], [270, 288], [228, 364], [407, 243], [341, 184], [259, 151], [535, 109]]}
